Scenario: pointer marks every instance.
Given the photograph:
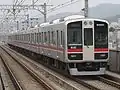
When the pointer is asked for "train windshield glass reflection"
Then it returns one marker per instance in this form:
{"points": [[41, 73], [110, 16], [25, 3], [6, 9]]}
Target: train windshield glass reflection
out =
{"points": [[88, 36], [74, 33], [101, 34]]}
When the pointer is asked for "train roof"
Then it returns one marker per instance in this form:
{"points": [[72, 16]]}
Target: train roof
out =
{"points": [[69, 18], [56, 21]]}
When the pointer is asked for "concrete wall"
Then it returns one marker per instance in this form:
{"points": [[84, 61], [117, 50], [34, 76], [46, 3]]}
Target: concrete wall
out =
{"points": [[114, 61]]}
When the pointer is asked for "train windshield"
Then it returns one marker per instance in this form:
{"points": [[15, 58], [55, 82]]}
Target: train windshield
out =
{"points": [[74, 33], [101, 34]]}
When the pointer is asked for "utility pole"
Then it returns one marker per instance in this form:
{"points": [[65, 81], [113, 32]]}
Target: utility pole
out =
{"points": [[45, 12], [86, 8], [17, 8], [27, 20], [17, 25], [33, 3]]}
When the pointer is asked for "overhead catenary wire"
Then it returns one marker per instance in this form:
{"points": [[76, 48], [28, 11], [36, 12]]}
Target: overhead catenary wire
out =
{"points": [[15, 2], [47, 1], [62, 5], [21, 2], [35, 1]]}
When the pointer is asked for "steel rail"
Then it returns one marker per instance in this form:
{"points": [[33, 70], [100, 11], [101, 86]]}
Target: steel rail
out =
{"points": [[72, 78], [12, 76], [32, 73]]}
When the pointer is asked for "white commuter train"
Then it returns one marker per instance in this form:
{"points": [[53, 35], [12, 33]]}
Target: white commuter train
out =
{"points": [[75, 44]]}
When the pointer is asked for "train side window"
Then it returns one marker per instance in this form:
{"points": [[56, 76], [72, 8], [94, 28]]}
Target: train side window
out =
{"points": [[39, 37], [22, 37], [53, 37], [32, 38], [45, 37], [58, 38], [19, 37], [61, 38], [35, 38], [37, 34], [49, 37], [42, 38], [29, 37], [25, 37], [15, 37]]}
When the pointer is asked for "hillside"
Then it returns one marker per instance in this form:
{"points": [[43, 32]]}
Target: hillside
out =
{"points": [[104, 10], [111, 12]]}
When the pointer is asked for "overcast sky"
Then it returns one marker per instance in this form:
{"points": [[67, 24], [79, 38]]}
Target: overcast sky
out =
{"points": [[71, 8], [91, 2]]}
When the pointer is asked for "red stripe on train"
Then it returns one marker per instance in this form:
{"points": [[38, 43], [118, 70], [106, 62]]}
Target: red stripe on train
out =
{"points": [[100, 49], [75, 50]]}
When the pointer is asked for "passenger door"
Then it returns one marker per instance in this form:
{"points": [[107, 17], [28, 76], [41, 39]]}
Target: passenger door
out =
{"points": [[88, 47]]}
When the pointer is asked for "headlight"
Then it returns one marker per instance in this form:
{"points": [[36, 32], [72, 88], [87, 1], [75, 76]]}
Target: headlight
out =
{"points": [[102, 55], [90, 23], [85, 22]]}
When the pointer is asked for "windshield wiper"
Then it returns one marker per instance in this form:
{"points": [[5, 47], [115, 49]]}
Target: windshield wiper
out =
{"points": [[87, 45]]}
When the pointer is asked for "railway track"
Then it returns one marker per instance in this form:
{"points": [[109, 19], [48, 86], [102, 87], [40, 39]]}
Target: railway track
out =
{"points": [[100, 84], [2, 87], [110, 81], [49, 74], [12, 76], [22, 77], [97, 84]]}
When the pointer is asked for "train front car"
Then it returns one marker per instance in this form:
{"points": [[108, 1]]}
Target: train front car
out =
{"points": [[87, 46]]}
